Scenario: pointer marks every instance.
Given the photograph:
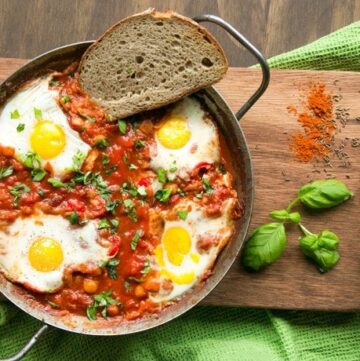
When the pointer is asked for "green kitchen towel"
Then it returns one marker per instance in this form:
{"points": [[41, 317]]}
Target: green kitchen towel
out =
{"points": [[218, 333]]}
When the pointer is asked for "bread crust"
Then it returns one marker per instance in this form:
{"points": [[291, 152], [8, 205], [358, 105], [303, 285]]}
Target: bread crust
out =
{"points": [[166, 15]]}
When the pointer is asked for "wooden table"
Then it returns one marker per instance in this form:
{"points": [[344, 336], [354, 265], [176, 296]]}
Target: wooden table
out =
{"points": [[31, 27]]}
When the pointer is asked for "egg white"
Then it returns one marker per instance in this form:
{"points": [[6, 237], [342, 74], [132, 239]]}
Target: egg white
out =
{"points": [[196, 224], [38, 95], [204, 137], [79, 245]]}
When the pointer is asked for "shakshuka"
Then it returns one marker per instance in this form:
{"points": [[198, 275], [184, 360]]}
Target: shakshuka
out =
{"points": [[109, 217]]}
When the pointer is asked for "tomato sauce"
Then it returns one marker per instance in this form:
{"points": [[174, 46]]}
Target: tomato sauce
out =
{"points": [[107, 188]]}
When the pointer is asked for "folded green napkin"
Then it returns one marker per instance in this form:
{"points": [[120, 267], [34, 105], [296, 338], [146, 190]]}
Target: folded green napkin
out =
{"points": [[218, 333]]}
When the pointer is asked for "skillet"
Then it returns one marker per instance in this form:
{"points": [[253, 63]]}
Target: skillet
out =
{"points": [[228, 123]]}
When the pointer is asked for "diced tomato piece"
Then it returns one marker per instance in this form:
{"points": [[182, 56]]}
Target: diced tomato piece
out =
{"points": [[76, 205], [144, 182], [115, 246]]}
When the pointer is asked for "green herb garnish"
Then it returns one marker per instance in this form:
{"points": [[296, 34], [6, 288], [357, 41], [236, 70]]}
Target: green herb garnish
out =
{"points": [[15, 114], [38, 174], [6, 172], [102, 300], [134, 241], [122, 126], [20, 127], [163, 195], [65, 99], [110, 266], [139, 144], [161, 175], [37, 114], [17, 191], [182, 214]]}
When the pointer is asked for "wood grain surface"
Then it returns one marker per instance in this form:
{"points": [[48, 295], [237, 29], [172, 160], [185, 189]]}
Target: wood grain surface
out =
{"points": [[292, 282], [31, 27]]}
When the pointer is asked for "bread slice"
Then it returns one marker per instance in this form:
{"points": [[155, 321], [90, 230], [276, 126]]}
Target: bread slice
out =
{"points": [[149, 60]]}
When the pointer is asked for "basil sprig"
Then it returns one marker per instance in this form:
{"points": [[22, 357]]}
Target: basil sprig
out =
{"points": [[321, 248], [265, 245], [267, 242], [323, 194]]}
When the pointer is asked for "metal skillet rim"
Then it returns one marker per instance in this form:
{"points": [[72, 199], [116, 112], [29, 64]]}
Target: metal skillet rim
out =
{"points": [[191, 298]]}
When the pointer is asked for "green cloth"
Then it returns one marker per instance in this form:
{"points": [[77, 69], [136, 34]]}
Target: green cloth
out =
{"points": [[218, 333]]}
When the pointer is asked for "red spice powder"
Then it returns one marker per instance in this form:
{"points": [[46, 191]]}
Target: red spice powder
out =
{"points": [[317, 122]]}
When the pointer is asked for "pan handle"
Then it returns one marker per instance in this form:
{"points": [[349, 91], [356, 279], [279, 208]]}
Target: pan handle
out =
{"points": [[28, 346], [252, 49]]}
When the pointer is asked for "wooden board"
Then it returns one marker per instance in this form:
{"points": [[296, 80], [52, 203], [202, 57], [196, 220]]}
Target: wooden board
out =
{"points": [[292, 282]]}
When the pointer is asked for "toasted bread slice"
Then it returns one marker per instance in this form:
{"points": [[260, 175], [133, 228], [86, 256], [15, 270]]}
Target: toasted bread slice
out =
{"points": [[149, 60]]}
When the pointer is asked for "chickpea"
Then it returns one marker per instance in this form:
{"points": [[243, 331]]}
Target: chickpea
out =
{"points": [[151, 285], [172, 186], [90, 286], [140, 291], [113, 310]]}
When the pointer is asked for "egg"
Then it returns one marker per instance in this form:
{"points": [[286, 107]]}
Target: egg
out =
{"points": [[189, 246], [46, 130], [35, 251], [185, 137]]}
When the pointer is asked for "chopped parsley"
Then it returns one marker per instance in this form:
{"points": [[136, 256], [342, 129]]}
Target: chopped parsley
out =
{"points": [[161, 175], [134, 241], [37, 114], [122, 126], [130, 210], [20, 127], [173, 167], [110, 266], [182, 214], [111, 225], [6, 172], [15, 114], [163, 195], [17, 191], [102, 300]]}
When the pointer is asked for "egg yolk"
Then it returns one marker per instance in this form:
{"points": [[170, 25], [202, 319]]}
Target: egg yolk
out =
{"points": [[174, 133], [47, 139], [177, 243], [181, 279], [45, 254]]}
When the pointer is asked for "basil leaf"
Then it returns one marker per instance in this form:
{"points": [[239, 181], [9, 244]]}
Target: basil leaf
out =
{"points": [[17, 191], [207, 186], [122, 126], [105, 159], [56, 183], [78, 160], [321, 248], [101, 143], [38, 174], [6, 172], [134, 241], [146, 268], [31, 160], [110, 266], [284, 215], [163, 195], [101, 300], [161, 175], [325, 193], [74, 218], [265, 245], [91, 312]]}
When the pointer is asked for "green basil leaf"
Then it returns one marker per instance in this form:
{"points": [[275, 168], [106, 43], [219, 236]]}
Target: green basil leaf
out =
{"points": [[65, 99], [207, 186], [147, 267], [56, 183], [163, 195], [139, 144], [134, 241], [38, 174], [182, 215], [161, 175], [74, 218], [101, 143], [78, 160], [37, 114], [321, 248], [284, 215], [324, 193], [6, 172], [265, 245]]}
